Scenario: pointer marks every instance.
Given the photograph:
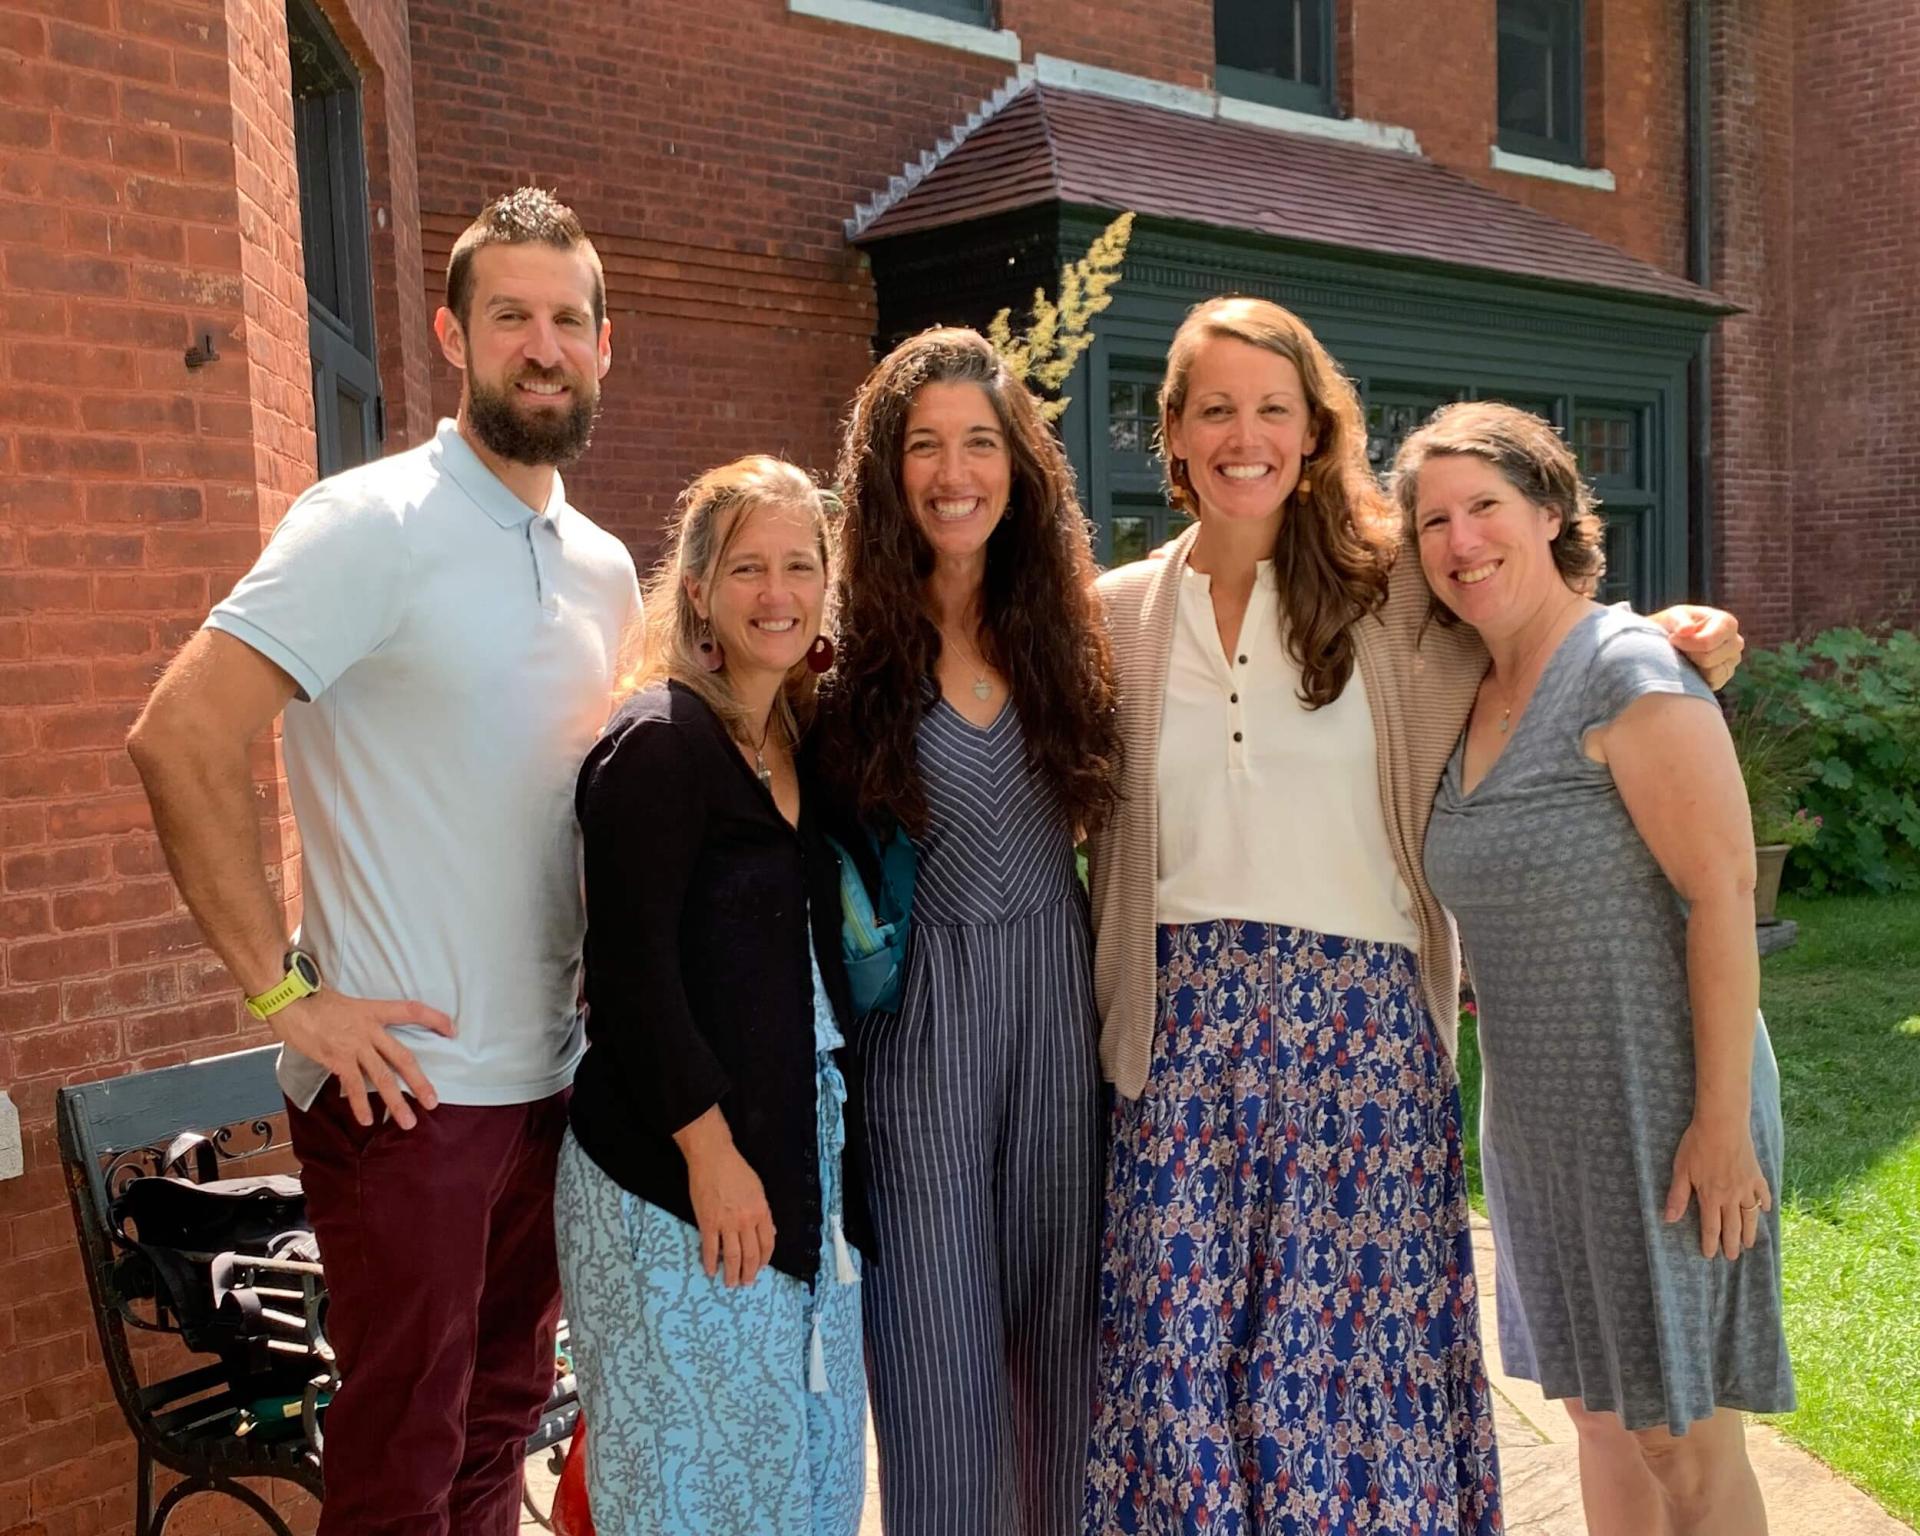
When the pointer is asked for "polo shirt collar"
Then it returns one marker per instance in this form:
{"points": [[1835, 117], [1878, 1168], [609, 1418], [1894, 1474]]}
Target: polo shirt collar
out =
{"points": [[483, 485]]}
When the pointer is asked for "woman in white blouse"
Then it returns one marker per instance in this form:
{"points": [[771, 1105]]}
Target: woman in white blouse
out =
{"points": [[1289, 1327]]}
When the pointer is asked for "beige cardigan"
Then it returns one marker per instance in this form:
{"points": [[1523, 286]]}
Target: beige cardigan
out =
{"points": [[1420, 690]]}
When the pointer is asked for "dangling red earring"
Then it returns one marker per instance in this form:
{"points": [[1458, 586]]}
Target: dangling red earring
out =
{"points": [[819, 654]]}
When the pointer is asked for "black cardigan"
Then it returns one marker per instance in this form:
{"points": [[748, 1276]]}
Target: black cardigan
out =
{"points": [[698, 986]]}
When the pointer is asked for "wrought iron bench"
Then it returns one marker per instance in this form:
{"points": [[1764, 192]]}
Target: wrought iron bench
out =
{"points": [[114, 1131]]}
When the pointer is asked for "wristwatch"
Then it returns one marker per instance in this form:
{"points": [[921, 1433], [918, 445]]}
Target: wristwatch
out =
{"points": [[302, 980]]}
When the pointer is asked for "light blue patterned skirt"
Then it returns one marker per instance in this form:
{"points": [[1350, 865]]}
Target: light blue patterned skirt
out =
{"points": [[710, 1411]]}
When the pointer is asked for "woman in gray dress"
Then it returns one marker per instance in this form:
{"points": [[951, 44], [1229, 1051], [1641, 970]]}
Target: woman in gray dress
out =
{"points": [[1592, 838]]}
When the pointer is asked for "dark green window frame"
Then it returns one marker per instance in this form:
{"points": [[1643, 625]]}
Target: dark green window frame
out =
{"points": [[1279, 52], [349, 413], [1540, 79], [1614, 446], [1614, 442]]}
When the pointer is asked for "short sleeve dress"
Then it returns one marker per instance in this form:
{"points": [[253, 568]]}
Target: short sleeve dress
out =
{"points": [[1577, 947]]}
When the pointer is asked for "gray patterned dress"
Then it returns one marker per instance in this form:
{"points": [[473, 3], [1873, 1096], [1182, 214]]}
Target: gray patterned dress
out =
{"points": [[1577, 945]]}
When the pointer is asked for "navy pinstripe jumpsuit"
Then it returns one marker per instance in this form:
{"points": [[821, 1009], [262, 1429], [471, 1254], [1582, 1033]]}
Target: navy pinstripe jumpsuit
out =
{"points": [[981, 1109]]}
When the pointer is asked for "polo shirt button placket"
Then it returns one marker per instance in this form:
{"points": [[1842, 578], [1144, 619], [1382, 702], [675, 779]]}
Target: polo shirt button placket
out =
{"points": [[539, 528]]}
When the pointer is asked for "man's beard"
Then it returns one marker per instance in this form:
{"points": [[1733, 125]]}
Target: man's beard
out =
{"points": [[532, 437]]}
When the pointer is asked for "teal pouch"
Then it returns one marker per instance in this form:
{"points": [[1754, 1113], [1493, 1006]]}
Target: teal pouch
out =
{"points": [[874, 923]]}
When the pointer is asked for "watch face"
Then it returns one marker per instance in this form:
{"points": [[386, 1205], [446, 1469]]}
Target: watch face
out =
{"points": [[302, 963]]}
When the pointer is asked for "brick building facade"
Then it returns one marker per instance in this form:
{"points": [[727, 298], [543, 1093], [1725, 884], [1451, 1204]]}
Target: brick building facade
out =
{"points": [[150, 198]]}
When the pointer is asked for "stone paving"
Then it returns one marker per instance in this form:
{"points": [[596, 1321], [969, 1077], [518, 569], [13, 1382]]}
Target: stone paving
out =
{"points": [[1539, 1461]]}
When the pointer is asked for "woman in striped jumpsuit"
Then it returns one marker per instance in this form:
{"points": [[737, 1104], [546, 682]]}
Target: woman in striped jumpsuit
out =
{"points": [[972, 707]]}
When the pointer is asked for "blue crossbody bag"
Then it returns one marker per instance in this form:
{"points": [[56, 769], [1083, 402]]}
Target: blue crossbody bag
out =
{"points": [[874, 922]]}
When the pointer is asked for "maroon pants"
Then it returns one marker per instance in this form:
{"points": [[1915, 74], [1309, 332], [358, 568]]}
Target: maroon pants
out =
{"points": [[444, 1290]]}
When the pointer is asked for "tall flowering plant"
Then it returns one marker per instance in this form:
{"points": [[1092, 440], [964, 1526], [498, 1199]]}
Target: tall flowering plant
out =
{"points": [[1045, 352]]}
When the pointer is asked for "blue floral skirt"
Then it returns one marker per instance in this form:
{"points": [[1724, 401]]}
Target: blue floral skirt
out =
{"points": [[1289, 1328]]}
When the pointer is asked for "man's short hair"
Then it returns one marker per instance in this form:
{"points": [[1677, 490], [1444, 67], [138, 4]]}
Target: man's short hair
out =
{"points": [[524, 216]]}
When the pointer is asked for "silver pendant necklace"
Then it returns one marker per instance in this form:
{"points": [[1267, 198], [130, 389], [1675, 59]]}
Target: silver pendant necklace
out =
{"points": [[982, 683], [760, 769]]}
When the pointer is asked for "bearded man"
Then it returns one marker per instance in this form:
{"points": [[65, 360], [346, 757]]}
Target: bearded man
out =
{"points": [[441, 630]]}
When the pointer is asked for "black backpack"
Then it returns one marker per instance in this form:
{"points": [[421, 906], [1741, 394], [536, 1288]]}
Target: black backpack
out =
{"points": [[201, 1236]]}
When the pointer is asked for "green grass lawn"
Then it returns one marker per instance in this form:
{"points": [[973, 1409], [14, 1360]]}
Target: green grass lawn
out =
{"points": [[1843, 1008]]}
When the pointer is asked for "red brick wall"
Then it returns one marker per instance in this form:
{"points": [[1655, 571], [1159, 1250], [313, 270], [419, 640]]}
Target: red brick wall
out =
{"points": [[713, 152], [1856, 314], [1754, 386], [125, 478], [757, 132], [1438, 79], [1169, 40], [147, 196]]}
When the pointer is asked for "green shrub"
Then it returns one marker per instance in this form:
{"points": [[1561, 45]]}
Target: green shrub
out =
{"points": [[1775, 748], [1844, 711]]}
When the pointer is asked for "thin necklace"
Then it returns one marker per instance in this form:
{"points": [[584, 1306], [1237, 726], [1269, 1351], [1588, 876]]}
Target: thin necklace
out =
{"points": [[1506, 712], [760, 769], [982, 687]]}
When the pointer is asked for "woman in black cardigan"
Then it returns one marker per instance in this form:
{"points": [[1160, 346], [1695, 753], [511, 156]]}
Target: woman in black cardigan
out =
{"points": [[710, 1215]]}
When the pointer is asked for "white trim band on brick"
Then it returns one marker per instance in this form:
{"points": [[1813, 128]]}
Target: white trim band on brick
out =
{"points": [[1598, 178], [1351, 130], [877, 16], [1095, 81]]}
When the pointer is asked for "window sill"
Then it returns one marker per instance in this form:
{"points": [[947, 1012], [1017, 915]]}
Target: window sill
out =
{"points": [[1201, 103], [1352, 130], [1551, 170], [877, 16]]}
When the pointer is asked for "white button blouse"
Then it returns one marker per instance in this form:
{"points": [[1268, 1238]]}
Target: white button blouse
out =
{"points": [[1269, 811]]}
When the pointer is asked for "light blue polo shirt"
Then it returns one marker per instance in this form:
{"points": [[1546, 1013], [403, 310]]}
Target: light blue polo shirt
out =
{"points": [[455, 652]]}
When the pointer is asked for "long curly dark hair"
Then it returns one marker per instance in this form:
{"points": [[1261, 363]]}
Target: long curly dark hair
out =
{"points": [[1337, 542], [1040, 621]]}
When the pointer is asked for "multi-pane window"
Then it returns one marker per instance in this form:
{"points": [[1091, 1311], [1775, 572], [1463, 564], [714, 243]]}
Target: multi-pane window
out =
{"points": [[1138, 517], [1392, 415], [1135, 530], [1276, 51], [1611, 445], [1133, 416], [1608, 448], [1540, 79]]}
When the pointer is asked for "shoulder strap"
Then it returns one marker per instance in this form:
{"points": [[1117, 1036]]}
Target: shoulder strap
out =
{"points": [[897, 868], [190, 1144]]}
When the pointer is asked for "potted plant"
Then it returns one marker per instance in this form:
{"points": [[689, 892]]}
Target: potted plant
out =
{"points": [[1776, 763], [1774, 837]]}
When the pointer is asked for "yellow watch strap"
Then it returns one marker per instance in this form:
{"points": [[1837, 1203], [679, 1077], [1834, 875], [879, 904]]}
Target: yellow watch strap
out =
{"points": [[292, 987]]}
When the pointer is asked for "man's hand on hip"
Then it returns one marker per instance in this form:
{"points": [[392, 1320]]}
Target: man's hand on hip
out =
{"points": [[353, 1038]]}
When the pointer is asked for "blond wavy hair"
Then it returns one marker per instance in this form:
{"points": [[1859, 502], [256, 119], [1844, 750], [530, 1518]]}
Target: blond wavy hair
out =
{"points": [[712, 512]]}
